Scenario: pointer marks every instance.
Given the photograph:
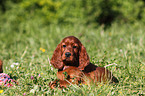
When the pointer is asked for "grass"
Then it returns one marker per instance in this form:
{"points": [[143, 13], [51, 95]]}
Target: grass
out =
{"points": [[120, 44]]}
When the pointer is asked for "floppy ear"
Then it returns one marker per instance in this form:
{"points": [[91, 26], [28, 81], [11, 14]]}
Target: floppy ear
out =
{"points": [[83, 58], [56, 58]]}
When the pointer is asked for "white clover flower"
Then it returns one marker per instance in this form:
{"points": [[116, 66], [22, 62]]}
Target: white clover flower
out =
{"points": [[32, 91], [16, 63], [12, 66], [51, 68]]}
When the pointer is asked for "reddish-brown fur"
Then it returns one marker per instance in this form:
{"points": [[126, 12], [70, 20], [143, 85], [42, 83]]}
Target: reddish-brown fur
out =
{"points": [[70, 75], [71, 57], [79, 57], [1, 66]]}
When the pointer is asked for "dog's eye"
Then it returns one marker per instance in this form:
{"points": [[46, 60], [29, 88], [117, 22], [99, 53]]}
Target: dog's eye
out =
{"points": [[74, 46], [64, 46]]}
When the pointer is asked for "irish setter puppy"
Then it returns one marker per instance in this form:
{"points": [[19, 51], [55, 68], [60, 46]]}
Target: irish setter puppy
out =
{"points": [[70, 54]]}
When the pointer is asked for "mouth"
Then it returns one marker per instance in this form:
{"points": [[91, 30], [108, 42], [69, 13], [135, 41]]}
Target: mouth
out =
{"points": [[68, 63], [66, 59]]}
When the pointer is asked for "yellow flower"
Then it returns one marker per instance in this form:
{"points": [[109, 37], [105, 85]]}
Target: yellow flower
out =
{"points": [[99, 94], [86, 84], [1, 91], [43, 50], [41, 73], [101, 85], [120, 92], [11, 72], [40, 48]]}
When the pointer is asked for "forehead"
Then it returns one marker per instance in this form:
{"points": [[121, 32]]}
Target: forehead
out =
{"points": [[70, 41]]}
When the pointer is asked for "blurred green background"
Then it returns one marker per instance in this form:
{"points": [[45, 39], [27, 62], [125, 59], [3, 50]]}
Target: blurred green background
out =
{"points": [[88, 12]]}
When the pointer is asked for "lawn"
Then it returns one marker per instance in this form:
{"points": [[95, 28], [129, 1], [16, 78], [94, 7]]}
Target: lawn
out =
{"points": [[30, 46]]}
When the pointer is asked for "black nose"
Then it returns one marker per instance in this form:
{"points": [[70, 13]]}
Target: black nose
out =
{"points": [[67, 54]]}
